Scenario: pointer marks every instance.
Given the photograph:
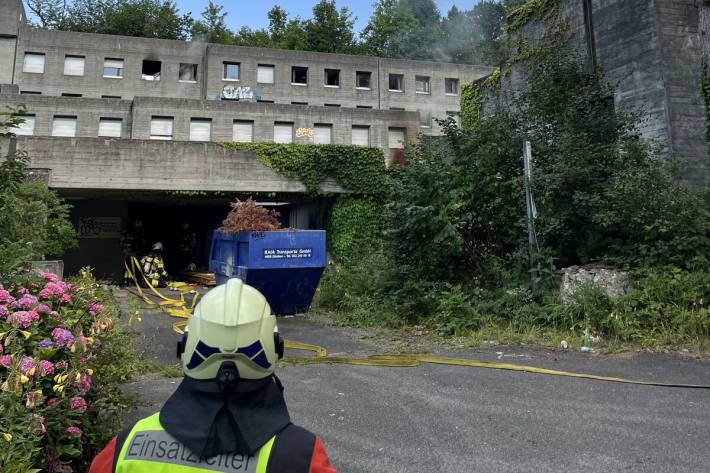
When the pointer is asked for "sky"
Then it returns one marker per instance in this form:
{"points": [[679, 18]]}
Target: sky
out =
{"points": [[253, 13]]}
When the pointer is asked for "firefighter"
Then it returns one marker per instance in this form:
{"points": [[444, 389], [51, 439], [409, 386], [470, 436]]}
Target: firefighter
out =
{"points": [[229, 413], [153, 266]]}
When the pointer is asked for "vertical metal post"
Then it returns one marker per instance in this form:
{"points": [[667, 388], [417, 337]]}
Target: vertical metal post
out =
{"points": [[531, 213]]}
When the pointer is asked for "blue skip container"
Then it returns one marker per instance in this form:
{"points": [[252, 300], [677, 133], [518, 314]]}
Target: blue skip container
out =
{"points": [[285, 266]]}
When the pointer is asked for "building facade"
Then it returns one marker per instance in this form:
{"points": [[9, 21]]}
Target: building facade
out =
{"points": [[128, 128]]}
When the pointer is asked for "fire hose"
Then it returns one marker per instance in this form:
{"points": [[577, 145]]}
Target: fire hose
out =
{"points": [[179, 308]]}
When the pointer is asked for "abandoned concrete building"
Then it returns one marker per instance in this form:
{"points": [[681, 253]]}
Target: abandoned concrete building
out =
{"points": [[127, 128]]}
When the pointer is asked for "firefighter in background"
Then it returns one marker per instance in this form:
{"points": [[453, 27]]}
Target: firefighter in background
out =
{"points": [[153, 266], [229, 413], [132, 245], [186, 248]]}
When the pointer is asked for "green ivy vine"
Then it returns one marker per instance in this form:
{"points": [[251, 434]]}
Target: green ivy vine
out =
{"points": [[354, 227], [355, 168], [542, 9], [471, 102]]}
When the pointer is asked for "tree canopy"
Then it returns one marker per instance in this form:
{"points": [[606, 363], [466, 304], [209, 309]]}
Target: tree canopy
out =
{"points": [[408, 29]]}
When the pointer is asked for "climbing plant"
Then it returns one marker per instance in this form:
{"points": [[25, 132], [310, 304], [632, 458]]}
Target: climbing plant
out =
{"points": [[354, 226], [471, 103], [358, 169], [706, 95], [541, 9]]}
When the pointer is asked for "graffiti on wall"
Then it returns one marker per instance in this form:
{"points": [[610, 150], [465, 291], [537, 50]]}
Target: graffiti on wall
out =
{"points": [[241, 93]]}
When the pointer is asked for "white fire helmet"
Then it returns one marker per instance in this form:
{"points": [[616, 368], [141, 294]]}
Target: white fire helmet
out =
{"points": [[158, 246], [232, 323]]}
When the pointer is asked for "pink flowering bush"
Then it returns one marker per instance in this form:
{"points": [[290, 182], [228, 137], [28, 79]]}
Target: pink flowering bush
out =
{"points": [[58, 382]]}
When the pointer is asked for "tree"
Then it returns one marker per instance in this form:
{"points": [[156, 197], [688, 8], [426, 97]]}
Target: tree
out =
{"points": [[395, 29], [488, 27], [144, 18], [212, 28], [34, 221], [330, 30], [48, 12]]}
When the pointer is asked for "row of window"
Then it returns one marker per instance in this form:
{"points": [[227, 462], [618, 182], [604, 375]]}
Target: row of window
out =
{"points": [[161, 128], [231, 71]]}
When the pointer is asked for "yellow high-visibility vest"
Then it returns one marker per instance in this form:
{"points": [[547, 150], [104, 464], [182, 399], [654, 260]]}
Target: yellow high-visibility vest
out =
{"points": [[150, 449]]}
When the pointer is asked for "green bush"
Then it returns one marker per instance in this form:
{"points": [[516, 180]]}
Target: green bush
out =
{"points": [[34, 221]]}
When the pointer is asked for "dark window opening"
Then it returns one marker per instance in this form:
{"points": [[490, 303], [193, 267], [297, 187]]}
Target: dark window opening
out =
{"points": [[265, 101], [151, 70], [299, 103], [396, 82], [299, 75], [451, 86], [188, 72], [362, 79], [71, 95], [332, 77], [29, 92], [111, 97], [331, 105], [363, 106]]}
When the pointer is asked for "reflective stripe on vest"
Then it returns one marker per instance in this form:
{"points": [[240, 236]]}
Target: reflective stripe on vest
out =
{"points": [[150, 449]]}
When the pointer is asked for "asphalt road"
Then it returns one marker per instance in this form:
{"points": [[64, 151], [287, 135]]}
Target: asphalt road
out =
{"points": [[433, 419]]}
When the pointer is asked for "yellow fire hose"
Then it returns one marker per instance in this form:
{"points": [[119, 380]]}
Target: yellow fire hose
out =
{"points": [[179, 308], [172, 307]]}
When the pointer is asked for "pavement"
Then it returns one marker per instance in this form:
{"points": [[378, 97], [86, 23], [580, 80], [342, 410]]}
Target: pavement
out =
{"points": [[436, 418]]}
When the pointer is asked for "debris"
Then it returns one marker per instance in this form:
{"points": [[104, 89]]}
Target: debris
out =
{"points": [[564, 344], [586, 350], [591, 338], [613, 281]]}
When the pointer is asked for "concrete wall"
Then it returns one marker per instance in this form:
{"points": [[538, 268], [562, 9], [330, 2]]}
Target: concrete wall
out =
{"points": [[649, 50], [136, 117], [677, 23], [209, 58], [223, 114], [87, 111], [56, 45], [118, 164]]}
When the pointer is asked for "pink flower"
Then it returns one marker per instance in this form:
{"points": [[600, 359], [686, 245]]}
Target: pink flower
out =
{"points": [[43, 308], [62, 337], [46, 368], [6, 361], [23, 319], [3, 311], [22, 291], [95, 308], [77, 403], [61, 365], [53, 402], [65, 299], [1, 349], [74, 432], [27, 363], [5, 297], [51, 277], [84, 382], [52, 289], [25, 302]]}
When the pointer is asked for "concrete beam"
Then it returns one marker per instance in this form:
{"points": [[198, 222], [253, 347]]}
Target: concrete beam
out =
{"points": [[120, 164]]}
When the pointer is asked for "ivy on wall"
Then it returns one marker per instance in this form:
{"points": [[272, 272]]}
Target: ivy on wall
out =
{"points": [[541, 9], [355, 168], [354, 227], [471, 103]]}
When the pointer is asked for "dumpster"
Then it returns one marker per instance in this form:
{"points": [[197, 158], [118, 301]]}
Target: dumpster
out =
{"points": [[285, 266]]}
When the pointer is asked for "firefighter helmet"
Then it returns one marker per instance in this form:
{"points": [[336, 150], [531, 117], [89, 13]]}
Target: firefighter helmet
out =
{"points": [[232, 325]]}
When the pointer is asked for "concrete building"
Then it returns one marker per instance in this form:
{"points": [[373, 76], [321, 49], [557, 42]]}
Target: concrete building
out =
{"points": [[127, 128], [650, 50]]}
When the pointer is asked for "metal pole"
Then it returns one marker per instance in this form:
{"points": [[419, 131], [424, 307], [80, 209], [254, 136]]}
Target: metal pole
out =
{"points": [[531, 212]]}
